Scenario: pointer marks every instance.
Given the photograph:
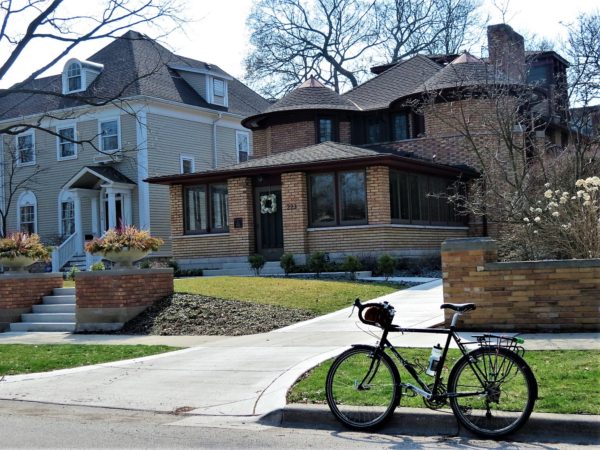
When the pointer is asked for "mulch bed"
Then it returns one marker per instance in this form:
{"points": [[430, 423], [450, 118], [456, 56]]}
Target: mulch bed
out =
{"points": [[190, 314]]}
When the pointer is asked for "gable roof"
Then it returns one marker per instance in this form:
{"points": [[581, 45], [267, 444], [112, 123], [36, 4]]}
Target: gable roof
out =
{"points": [[134, 65], [397, 81]]}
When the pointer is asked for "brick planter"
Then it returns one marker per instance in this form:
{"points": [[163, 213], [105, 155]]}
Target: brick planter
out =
{"points": [[20, 291], [559, 295], [108, 299]]}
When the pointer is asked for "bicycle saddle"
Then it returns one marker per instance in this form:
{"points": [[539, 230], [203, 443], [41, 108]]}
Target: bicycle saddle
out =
{"points": [[459, 307]]}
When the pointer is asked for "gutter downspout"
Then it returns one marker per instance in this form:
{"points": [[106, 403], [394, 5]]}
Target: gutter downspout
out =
{"points": [[215, 153]]}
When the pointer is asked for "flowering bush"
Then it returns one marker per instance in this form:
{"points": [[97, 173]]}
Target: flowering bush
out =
{"points": [[565, 224], [23, 244], [125, 238]]}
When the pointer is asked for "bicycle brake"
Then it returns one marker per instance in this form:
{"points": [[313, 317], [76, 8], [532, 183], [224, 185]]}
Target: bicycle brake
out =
{"points": [[352, 311]]}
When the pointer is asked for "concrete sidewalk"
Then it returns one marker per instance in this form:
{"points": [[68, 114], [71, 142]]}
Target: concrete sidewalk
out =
{"points": [[226, 378]]}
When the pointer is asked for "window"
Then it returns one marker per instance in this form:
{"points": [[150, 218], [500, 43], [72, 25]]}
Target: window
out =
{"points": [[242, 143], [187, 164], [374, 130], [338, 199], [538, 75], [27, 212], [74, 77], [205, 209], [218, 87], [26, 149], [399, 127], [412, 200], [326, 130], [67, 217], [67, 149], [109, 135]]}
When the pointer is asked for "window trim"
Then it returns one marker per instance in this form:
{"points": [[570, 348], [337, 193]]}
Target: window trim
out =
{"points": [[337, 210], [18, 149], [101, 138], [208, 203], [59, 156], [27, 198], [239, 133], [66, 77], [182, 158]]}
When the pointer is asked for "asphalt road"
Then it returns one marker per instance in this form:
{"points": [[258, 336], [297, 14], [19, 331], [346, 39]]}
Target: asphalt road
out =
{"points": [[35, 425]]}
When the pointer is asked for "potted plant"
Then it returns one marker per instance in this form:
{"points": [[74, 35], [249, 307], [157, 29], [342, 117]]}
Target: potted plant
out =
{"points": [[124, 245], [20, 250]]}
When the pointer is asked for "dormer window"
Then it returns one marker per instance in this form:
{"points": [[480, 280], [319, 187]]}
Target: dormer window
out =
{"points": [[219, 87], [78, 75], [74, 77]]}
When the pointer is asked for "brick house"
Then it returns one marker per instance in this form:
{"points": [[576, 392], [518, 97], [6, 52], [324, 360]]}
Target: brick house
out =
{"points": [[354, 173]]}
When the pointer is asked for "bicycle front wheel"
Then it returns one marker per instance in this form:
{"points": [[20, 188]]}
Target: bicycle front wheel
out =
{"points": [[492, 391], [363, 388]]}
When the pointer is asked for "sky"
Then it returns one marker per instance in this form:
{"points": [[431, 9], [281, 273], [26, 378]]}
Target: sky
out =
{"points": [[216, 31]]}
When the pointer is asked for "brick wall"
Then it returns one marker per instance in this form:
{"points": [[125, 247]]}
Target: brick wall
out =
{"points": [[295, 212], [520, 296], [345, 132], [290, 136], [20, 291], [107, 299]]}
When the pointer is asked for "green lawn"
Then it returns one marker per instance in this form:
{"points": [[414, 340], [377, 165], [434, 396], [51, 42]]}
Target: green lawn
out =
{"points": [[318, 296], [567, 380], [20, 358]]}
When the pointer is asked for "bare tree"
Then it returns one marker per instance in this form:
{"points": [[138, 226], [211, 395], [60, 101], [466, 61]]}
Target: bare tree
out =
{"points": [[336, 40], [25, 23]]}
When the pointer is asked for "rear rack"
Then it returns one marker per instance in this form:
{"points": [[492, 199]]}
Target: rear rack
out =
{"points": [[494, 340]]}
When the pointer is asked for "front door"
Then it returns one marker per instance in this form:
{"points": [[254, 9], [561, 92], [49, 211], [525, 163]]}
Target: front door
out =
{"points": [[269, 222]]}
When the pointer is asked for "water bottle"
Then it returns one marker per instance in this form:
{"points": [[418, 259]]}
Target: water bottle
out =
{"points": [[434, 359]]}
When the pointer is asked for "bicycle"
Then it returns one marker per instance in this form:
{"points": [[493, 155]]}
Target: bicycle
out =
{"points": [[491, 389]]}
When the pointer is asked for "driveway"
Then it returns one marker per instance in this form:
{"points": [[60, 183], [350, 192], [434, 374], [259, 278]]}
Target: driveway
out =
{"points": [[224, 377]]}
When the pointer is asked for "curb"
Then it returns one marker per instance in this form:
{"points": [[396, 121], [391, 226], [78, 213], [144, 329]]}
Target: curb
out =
{"points": [[541, 427]]}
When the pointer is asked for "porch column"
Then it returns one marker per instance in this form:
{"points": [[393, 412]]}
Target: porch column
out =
{"points": [[112, 210], [294, 199], [241, 215], [378, 195], [126, 196], [95, 217], [78, 225]]}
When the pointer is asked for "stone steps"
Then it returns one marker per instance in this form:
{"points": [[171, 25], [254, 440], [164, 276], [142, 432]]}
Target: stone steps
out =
{"points": [[56, 313]]}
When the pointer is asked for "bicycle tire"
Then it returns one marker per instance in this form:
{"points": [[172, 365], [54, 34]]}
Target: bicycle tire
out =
{"points": [[509, 391], [363, 388]]}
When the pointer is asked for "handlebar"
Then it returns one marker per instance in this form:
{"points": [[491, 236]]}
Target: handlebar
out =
{"points": [[382, 318]]}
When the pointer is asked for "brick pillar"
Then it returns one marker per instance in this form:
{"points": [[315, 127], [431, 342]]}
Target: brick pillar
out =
{"points": [[295, 212], [176, 196], [345, 133], [463, 260], [241, 207], [378, 195]]}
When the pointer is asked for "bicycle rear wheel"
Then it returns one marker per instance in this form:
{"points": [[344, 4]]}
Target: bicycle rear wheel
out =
{"points": [[363, 388], [496, 391]]}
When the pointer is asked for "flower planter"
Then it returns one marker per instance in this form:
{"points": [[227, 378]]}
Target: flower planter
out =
{"points": [[125, 258], [17, 263]]}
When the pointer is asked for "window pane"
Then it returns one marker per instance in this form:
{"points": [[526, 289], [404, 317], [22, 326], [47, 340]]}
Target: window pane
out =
{"points": [[243, 146], [218, 207], [399, 196], [374, 131], [25, 148], [353, 205], [67, 148], [400, 127], [415, 199], [195, 209], [322, 199], [325, 130], [110, 135], [423, 191], [74, 83], [219, 87], [27, 215], [187, 166], [68, 218]]}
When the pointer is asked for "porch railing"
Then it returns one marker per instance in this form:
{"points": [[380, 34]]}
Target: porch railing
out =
{"points": [[64, 252]]}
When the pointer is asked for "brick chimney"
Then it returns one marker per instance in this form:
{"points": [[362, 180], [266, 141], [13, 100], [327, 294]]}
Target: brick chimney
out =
{"points": [[506, 50]]}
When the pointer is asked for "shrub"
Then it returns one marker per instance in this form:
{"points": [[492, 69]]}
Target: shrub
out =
{"points": [[97, 266], [71, 273], [125, 238], [145, 264], [174, 265], [23, 244], [287, 263], [257, 262], [386, 265], [317, 262], [352, 265]]}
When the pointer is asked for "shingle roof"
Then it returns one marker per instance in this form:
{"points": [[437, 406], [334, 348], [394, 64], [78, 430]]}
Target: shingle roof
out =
{"points": [[466, 70], [133, 65], [111, 174], [398, 81]]}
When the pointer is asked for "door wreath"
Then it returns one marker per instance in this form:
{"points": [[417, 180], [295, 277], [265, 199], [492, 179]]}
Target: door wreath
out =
{"points": [[268, 204]]}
